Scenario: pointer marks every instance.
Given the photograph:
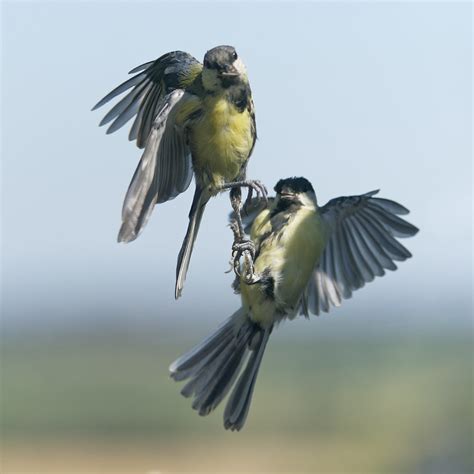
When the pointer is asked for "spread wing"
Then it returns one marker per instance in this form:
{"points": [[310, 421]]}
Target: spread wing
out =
{"points": [[164, 170], [361, 245], [155, 79]]}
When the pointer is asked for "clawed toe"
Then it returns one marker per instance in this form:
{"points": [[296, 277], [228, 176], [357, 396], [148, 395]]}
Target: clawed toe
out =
{"points": [[238, 248], [246, 249], [260, 190]]}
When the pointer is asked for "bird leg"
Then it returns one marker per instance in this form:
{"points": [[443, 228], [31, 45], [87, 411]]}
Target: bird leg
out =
{"points": [[252, 185], [241, 246], [246, 248]]}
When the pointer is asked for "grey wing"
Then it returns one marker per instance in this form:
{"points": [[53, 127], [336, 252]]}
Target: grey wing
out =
{"points": [[164, 170], [361, 245], [155, 79]]}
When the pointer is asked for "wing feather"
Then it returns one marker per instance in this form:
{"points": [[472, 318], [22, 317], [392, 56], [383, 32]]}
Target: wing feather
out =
{"points": [[131, 109], [394, 224], [374, 245], [330, 280], [344, 274], [353, 273], [394, 249], [362, 244], [123, 104], [153, 81], [133, 81], [389, 206], [141, 67], [164, 170]]}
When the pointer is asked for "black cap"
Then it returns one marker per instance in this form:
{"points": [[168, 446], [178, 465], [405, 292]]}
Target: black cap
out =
{"points": [[295, 185]]}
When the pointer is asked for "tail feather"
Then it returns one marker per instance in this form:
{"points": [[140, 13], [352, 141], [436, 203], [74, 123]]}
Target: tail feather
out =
{"points": [[198, 367], [195, 215], [196, 355], [197, 359], [220, 383], [214, 365], [238, 405], [203, 374]]}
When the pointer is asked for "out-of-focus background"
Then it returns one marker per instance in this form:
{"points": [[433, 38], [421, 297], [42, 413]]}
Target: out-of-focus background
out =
{"points": [[354, 96]]}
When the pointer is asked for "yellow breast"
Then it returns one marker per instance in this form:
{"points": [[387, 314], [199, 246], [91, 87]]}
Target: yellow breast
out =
{"points": [[290, 257], [302, 245], [221, 141]]}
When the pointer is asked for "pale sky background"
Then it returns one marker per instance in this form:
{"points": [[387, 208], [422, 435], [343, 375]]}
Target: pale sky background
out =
{"points": [[354, 96]]}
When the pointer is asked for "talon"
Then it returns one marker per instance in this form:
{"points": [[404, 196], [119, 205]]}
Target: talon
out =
{"points": [[237, 266], [250, 277], [231, 267], [238, 248], [242, 247], [246, 249], [260, 189], [248, 200], [263, 191]]}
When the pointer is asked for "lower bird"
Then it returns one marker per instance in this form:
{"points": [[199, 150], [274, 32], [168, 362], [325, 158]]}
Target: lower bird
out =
{"points": [[307, 259]]}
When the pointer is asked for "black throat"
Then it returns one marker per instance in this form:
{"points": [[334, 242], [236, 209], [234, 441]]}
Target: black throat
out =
{"points": [[239, 95]]}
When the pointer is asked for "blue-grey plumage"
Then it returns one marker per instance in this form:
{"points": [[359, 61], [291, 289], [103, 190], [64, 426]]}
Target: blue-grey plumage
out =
{"points": [[190, 118], [307, 258]]}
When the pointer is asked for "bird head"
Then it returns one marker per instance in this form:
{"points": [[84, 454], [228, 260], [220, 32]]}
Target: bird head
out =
{"points": [[222, 68], [296, 190]]}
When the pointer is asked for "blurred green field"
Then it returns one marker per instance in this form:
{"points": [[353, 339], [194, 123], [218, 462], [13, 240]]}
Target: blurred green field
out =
{"points": [[96, 403]]}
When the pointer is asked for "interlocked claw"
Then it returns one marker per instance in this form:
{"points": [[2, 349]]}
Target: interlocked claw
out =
{"points": [[246, 248], [238, 248], [242, 246]]}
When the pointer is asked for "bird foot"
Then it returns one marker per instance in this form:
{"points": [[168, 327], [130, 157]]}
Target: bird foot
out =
{"points": [[260, 190], [254, 186], [243, 248]]}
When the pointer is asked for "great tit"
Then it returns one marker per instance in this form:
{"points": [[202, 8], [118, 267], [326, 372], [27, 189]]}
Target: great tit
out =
{"points": [[189, 117], [307, 258]]}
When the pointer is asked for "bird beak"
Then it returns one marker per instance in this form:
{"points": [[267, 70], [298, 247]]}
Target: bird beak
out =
{"points": [[230, 72]]}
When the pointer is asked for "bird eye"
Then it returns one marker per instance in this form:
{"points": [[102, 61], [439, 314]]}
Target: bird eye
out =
{"points": [[234, 55]]}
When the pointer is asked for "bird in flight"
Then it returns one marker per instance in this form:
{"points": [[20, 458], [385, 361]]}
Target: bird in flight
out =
{"points": [[307, 259], [190, 118]]}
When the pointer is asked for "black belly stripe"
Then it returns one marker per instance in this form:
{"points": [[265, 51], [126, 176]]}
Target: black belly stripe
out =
{"points": [[267, 283]]}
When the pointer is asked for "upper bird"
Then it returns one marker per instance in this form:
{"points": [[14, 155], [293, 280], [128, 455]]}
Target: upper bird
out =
{"points": [[307, 258], [188, 117]]}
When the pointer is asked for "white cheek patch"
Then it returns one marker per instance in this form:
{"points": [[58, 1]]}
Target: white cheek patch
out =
{"points": [[240, 67], [308, 199], [210, 80]]}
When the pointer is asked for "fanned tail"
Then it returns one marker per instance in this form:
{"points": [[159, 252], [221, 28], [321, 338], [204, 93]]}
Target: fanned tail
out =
{"points": [[213, 366]]}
